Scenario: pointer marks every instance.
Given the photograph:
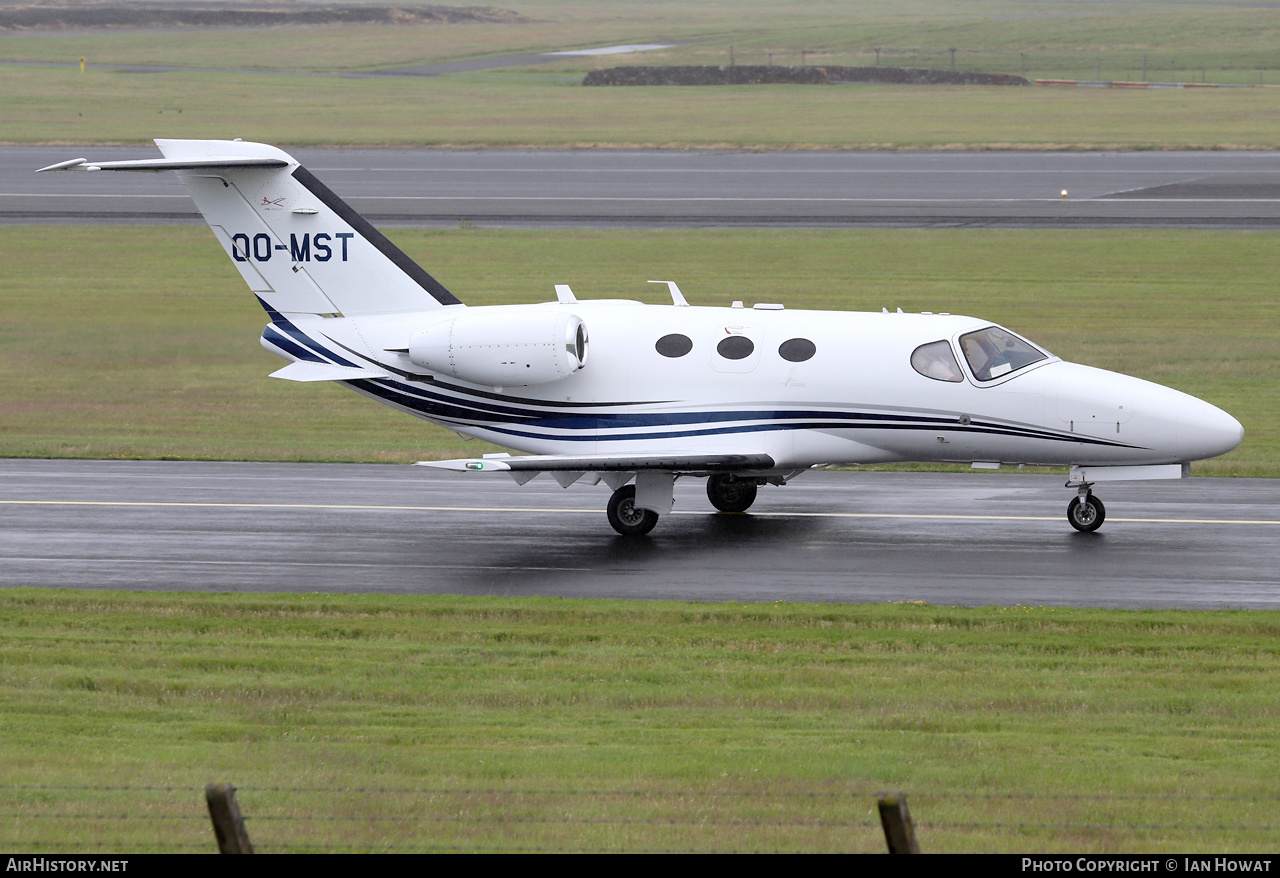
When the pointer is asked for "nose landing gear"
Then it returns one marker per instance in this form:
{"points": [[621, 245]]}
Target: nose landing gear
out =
{"points": [[1085, 512]]}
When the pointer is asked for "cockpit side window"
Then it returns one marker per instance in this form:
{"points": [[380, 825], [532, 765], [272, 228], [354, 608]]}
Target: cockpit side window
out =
{"points": [[993, 352], [935, 360]]}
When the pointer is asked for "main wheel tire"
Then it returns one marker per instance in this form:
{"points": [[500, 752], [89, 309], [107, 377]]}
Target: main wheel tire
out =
{"points": [[1086, 516], [627, 518], [729, 494]]}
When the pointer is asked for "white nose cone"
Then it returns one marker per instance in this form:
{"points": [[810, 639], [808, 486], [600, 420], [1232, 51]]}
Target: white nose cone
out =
{"points": [[1158, 424], [1205, 431]]}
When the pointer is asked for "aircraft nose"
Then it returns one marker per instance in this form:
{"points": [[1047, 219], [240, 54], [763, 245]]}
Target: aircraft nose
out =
{"points": [[1207, 431]]}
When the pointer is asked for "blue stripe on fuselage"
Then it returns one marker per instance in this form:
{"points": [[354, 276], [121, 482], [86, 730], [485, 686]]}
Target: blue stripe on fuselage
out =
{"points": [[281, 323], [592, 427], [586, 427], [272, 335]]}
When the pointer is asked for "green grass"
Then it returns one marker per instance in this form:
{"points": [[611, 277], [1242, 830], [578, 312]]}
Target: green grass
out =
{"points": [[58, 106], [988, 34], [1128, 731], [141, 341], [545, 106]]}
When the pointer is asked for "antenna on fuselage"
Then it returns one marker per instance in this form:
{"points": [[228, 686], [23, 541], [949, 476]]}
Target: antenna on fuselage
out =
{"points": [[677, 297]]}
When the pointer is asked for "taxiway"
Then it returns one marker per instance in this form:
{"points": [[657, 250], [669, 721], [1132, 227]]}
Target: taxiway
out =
{"points": [[698, 188]]}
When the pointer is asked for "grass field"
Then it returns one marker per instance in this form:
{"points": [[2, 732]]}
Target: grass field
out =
{"points": [[48, 105], [645, 725], [142, 341], [545, 105], [991, 35]]}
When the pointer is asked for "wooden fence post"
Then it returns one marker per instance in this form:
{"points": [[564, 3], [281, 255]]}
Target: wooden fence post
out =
{"points": [[228, 825], [896, 820]]}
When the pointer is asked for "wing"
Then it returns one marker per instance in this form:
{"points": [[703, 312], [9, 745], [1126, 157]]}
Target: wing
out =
{"points": [[572, 467]]}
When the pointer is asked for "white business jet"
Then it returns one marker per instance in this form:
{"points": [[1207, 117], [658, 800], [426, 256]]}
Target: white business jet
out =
{"points": [[740, 396]]}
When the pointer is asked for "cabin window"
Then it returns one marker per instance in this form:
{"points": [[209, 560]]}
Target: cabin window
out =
{"points": [[797, 350], [736, 347], [937, 361], [674, 345], [994, 352]]}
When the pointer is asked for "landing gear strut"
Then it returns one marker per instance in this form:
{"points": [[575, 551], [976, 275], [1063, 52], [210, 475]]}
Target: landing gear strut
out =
{"points": [[1086, 512], [729, 493], [627, 518]]}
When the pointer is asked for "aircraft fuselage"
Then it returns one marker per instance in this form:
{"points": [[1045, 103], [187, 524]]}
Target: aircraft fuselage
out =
{"points": [[803, 387]]}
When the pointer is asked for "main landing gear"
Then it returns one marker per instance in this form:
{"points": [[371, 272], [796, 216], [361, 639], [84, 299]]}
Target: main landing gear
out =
{"points": [[727, 492], [627, 518], [1085, 512]]}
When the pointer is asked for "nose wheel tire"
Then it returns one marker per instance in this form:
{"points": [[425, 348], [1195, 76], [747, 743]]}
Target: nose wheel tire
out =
{"points": [[1086, 515], [627, 518], [729, 494]]}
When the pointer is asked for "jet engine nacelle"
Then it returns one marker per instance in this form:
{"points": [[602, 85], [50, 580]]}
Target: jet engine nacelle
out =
{"points": [[502, 347]]}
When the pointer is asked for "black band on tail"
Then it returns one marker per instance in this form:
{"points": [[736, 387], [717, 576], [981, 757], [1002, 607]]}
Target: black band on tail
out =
{"points": [[374, 237]]}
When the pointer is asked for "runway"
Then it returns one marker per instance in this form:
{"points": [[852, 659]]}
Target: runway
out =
{"points": [[846, 537], [702, 188]]}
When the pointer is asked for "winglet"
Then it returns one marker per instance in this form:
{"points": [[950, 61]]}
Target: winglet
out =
{"points": [[69, 165]]}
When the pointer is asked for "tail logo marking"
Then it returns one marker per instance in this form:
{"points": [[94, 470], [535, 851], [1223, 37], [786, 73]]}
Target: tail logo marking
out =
{"points": [[304, 248]]}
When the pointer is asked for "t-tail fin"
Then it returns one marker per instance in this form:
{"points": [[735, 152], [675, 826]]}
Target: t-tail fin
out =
{"points": [[298, 246]]}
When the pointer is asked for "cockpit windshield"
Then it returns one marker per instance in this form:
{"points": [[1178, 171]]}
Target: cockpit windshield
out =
{"points": [[994, 352]]}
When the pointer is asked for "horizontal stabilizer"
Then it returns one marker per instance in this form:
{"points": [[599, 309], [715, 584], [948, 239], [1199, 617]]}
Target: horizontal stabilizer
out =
{"points": [[603, 463], [157, 165], [304, 370]]}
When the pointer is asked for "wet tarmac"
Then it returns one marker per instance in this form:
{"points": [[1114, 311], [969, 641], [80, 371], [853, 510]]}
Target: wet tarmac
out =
{"points": [[840, 536]]}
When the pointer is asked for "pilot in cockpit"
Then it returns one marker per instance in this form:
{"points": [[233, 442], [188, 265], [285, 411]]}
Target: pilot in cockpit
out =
{"points": [[981, 356]]}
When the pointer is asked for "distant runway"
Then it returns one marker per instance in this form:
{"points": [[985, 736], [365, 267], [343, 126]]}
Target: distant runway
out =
{"points": [[846, 537], [703, 188]]}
